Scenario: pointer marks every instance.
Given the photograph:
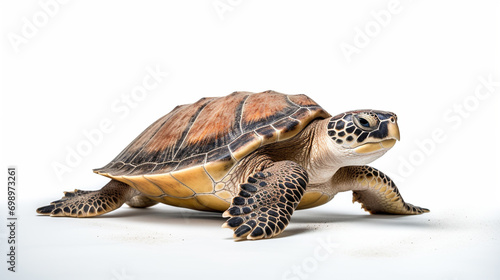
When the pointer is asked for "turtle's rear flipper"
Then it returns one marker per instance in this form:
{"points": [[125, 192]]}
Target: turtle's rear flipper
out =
{"points": [[376, 192], [90, 203], [264, 205]]}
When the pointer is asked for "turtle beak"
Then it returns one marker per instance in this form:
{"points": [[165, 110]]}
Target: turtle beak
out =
{"points": [[392, 136], [393, 131], [388, 142]]}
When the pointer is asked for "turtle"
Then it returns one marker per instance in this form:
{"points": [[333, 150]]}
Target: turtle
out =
{"points": [[255, 157]]}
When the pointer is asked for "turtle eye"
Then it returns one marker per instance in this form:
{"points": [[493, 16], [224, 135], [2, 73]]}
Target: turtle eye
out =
{"points": [[366, 121]]}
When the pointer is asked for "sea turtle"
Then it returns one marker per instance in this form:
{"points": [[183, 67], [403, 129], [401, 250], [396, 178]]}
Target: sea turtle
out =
{"points": [[254, 156]]}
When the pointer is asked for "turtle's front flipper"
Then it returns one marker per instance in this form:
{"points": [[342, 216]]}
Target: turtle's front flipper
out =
{"points": [[264, 205], [90, 203], [376, 192]]}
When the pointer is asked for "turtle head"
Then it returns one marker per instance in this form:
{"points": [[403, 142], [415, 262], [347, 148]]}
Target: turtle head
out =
{"points": [[363, 135]]}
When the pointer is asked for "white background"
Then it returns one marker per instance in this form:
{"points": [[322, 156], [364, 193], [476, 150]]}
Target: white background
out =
{"points": [[65, 78]]}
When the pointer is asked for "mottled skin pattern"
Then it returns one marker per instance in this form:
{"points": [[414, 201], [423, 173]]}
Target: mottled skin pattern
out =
{"points": [[81, 204], [255, 157], [376, 192], [265, 203]]}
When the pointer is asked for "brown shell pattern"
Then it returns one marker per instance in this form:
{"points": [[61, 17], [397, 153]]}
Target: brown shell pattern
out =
{"points": [[196, 145]]}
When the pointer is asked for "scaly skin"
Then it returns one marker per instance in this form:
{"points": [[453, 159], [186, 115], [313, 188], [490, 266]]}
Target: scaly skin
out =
{"points": [[265, 203], [82, 204], [376, 192]]}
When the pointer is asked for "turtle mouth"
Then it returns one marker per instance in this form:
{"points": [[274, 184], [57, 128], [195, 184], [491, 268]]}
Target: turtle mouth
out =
{"points": [[375, 146]]}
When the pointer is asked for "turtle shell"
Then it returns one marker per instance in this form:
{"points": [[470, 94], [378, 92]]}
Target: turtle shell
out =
{"points": [[184, 158]]}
